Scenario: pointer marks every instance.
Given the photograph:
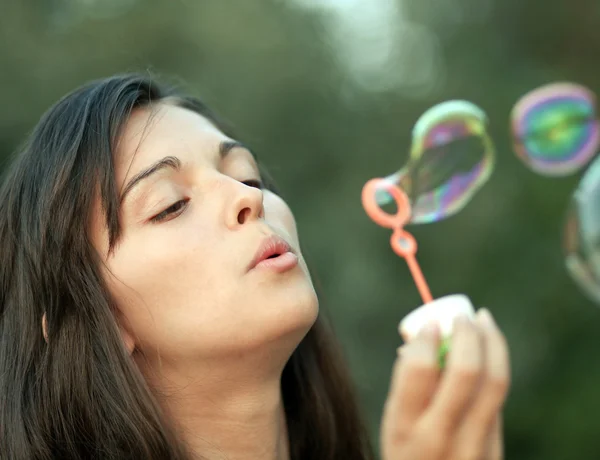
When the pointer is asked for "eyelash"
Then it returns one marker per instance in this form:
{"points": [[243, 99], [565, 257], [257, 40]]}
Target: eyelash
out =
{"points": [[257, 183], [176, 207], [179, 206]]}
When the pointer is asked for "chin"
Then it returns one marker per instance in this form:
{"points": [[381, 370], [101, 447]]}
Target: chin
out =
{"points": [[296, 310], [286, 318]]}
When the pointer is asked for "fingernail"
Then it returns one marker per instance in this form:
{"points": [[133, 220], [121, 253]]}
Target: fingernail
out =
{"points": [[484, 317], [430, 330], [461, 318]]}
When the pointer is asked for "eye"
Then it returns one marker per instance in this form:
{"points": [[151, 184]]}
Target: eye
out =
{"points": [[257, 183], [171, 212]]}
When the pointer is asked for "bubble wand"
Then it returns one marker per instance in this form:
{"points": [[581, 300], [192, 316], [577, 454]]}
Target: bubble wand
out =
{"points": [[402, 242], [452, 156]]}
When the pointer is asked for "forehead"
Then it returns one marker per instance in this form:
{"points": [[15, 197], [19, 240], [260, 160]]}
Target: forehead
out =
{"points": [[159, 130]]}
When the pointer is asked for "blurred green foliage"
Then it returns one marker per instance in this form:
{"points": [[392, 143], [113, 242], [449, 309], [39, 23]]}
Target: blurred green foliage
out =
{"points": [[274, 70]]}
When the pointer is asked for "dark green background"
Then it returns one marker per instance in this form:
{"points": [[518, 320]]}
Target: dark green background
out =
{"points": [[271, 69]]}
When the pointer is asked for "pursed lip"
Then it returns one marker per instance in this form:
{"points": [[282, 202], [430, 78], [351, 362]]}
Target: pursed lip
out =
{"points": [[272, 246]]}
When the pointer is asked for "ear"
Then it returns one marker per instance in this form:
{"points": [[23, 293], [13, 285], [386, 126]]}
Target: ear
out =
{"points": [[45, 327], [126, 336], [128, 340]]}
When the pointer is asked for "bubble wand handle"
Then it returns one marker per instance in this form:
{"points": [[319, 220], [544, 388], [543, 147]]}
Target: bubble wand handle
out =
{"points": [[402, 242], [419, 279], [405, 245]]}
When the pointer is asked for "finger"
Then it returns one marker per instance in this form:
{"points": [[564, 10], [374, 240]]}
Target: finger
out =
{"points": [[414, 382], [461, 378], [469, 445], [483, 414], [495, 444]]}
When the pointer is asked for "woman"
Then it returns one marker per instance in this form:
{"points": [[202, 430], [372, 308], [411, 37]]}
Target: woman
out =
{"points": [[155, 305]]}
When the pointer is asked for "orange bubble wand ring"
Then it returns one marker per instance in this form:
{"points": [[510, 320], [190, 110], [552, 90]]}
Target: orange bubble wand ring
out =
{"points": [[403, 243], [435, 144]]}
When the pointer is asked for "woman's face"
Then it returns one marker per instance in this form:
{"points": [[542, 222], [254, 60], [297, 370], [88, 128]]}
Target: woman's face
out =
{"points": [[194, 220]]}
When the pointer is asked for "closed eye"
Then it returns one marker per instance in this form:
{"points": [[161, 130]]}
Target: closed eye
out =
{"points": [[257, 183], [171, 212]]}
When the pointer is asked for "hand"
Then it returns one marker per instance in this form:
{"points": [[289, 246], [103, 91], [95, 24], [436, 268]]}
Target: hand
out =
{"points": [[454, 414]]}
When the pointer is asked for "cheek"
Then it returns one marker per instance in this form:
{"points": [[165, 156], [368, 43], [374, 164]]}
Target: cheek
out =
{"points": [[279, 215], [158, 276], [157, 254]]}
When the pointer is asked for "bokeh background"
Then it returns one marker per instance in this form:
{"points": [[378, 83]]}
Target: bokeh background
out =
{"points": [[326, 93]]}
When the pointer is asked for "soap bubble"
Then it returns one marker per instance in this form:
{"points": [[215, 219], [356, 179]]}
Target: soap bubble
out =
{"points": [[452, 156], [555, 129], [582, 233]]}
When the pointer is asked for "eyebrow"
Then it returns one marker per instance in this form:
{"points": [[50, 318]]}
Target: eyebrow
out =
{"points": [[227, 146], [167, 162], [175, 163]]}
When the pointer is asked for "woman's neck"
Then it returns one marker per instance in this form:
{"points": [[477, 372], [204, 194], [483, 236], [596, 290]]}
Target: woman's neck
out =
{"points": [[227, 417], [245, 428]]}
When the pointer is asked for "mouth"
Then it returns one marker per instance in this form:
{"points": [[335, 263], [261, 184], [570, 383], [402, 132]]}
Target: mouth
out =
{"points": [[274, 253]]}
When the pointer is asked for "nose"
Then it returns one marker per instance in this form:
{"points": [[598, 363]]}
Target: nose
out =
{"points": [[247, 206]]}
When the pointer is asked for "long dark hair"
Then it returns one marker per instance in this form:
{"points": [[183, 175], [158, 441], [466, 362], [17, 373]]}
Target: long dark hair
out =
{"points": [[79, 395]]}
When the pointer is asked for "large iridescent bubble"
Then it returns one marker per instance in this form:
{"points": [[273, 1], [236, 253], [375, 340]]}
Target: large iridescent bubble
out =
{"points": [[452, 156], [582, 233], [555, 128]]}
